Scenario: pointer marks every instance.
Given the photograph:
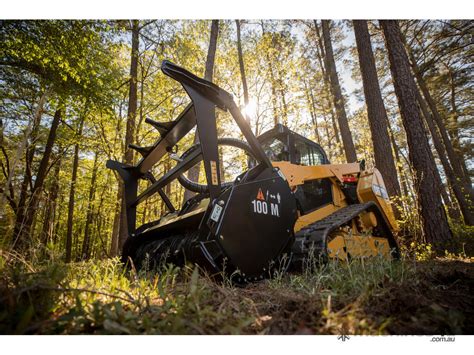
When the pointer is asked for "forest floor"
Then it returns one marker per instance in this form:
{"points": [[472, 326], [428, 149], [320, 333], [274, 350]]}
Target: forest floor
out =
{"points": [[434, 296]]}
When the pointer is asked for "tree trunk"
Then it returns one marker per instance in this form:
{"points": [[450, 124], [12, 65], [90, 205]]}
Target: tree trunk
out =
{"points": [[131, 116], [281, 90], [244, 79], [193, 173], [328, 138], [211, 52], [31, 207], [48, 223], [87, 238], [58, 242], [31, 133], [116, 224], [455, 128], [454, 116], [454, 131], [396, 150], [97, 220], [276, 116], [376, 112], [242, 68], [141, 117], [72, 194], [312, 111], [347, 142], [113, 251], [321, 54], [426, 179], [450, 176], [457, 165]]}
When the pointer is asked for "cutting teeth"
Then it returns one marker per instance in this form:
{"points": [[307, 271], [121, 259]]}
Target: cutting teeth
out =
{"points": [[162, 127], [142, 150]]}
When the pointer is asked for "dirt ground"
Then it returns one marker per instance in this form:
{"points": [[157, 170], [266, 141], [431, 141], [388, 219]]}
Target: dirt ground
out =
{"points": [[440, 300]]}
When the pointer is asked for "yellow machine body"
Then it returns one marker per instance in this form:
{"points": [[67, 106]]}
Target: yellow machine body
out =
{"points": [[355, 240]]}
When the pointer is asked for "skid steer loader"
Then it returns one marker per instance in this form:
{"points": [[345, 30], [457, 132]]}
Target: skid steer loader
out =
{"points": [[290, 201]]}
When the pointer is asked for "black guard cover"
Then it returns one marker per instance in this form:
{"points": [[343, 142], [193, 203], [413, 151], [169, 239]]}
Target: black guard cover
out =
{"points": [[254, 223]]}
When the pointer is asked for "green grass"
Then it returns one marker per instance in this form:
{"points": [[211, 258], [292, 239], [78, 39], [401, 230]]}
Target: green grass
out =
{"points": [[362, 297]]}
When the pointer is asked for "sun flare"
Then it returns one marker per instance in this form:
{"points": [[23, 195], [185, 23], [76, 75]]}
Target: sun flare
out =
{"points": [[250, 109]]}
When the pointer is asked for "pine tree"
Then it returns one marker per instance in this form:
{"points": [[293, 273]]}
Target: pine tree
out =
{"points": [[131, 117], [339, 104], [427, 182], [377, 114]]}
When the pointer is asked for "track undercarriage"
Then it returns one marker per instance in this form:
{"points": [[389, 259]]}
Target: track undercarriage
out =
{"points": [[354, 231]]}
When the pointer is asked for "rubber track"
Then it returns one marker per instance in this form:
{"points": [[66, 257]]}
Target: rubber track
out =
{"points": [[312, 238]]}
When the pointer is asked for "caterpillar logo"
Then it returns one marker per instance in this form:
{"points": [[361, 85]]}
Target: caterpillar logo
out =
{"points": [[260, 195]]}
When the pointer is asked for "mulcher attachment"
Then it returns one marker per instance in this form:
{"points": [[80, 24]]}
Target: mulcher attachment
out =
{"points": [[240, 229]]}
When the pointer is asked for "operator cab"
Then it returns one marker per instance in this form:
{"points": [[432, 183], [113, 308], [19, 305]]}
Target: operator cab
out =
{"points": [[282, 144]]}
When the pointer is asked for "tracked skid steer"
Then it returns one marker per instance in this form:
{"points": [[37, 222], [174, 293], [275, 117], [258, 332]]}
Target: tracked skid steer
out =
{"points": [[290, 204]]}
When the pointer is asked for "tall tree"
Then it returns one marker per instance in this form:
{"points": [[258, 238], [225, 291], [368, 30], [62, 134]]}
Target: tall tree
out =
{"points": [[48, 223], [398, 160], [465, 196], [312, 109], [86, 244], [211, 52], [376, 112], [242, 68], [31, 134], [72, 192], [193, 173], [339, 104], [427, 182], [450, 175], [273, 85], [321, 55], [131, 116], [24, 228], [113, 251]]}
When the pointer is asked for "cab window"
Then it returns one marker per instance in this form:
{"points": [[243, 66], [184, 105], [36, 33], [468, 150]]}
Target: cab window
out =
{"points": [[306, 154], [276, 150]]}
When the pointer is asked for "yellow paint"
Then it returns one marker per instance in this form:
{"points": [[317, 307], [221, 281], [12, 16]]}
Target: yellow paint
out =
{"points": [[298, 174], [342, 242], [368, 220], [366, 193], [357, 247], [214, 172], [336, 248]]}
